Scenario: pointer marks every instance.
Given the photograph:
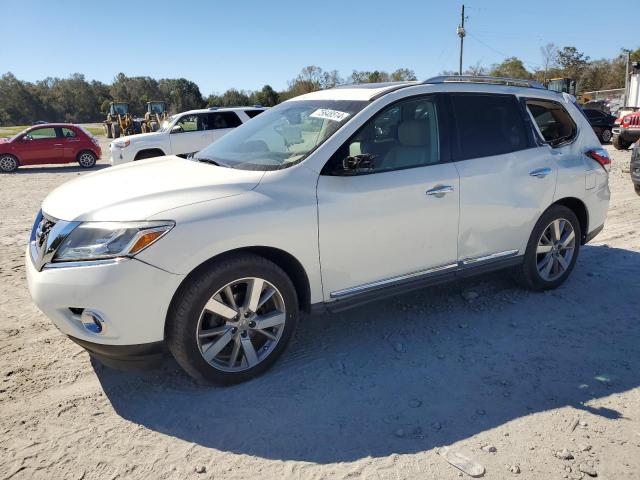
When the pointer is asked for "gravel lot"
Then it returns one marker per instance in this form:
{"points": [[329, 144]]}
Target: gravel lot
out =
{"points": [[512, 378]]}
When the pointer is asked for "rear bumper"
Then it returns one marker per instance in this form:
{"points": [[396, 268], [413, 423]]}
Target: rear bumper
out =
{"points": [[143, 356]]}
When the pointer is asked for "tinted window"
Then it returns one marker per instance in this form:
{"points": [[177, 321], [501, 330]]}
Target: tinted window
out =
{"points": [[593, 114], [68, 133], [488, 125], [404, 135], [554, 123], [216, 120], [253, 113], [42, 133]]}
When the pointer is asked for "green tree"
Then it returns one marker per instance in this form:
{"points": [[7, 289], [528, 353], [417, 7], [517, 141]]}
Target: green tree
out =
{"points": [[511, 67], [267, 97], [180, 94], [572, 62]]}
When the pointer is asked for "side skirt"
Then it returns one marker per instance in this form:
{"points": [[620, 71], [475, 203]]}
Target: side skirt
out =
{"points": [[414, 283]]}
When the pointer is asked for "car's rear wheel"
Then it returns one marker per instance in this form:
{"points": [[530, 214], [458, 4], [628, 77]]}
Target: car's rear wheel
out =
{"points": [[232, 320], [8, 163], [620, 144], [605, 135], [552, 250], [87, 159]]}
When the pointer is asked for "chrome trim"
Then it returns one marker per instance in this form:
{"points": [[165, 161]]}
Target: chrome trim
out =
{"points": [[85, 263], [44, 243], [440, 190], [540, 172], [492, 256], [347, 292]]}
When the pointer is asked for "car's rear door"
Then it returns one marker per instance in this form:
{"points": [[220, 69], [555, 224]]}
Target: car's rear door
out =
{"points": [[506, 178], [222, 123], [70, 141], [397, 222]]}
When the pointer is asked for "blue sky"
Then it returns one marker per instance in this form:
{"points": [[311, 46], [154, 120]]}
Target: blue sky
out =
{"points": [[246, 43]]}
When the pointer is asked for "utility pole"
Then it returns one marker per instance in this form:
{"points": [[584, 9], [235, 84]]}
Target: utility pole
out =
{"points": [[461, 34], [626, 78]]}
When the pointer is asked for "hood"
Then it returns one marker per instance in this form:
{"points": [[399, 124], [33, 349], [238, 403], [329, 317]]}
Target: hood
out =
{"points": [[141, 137], [139, 190]]}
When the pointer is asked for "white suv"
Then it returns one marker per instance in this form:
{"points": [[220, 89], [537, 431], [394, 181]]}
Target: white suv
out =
{"points": [[326, 201], [181, 134]]}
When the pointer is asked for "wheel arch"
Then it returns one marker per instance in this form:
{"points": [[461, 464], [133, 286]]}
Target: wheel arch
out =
{"points": [[287, 262], [144, 150], [578, 207]]}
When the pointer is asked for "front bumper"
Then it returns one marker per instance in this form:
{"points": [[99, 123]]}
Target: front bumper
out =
{"points": [[119, 155], [131, 297], [627, 134]]}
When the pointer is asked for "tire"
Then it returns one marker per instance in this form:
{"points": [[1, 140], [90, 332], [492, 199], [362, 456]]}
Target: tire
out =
{"points": [[154, 126], [636, 187], [190, 324], [605, 135], [531, 273], [620, 144], [86, 159], [147, 154], [107, 131], [115, 130], [8, 163]]}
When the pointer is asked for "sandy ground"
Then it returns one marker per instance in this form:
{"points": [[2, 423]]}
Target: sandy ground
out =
{"points": [[508, 376]]}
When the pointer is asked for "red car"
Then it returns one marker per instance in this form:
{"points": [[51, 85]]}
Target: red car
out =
{"points": [[49, 143]]}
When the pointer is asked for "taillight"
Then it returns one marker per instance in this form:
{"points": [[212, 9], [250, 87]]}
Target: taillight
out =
{"points": [[601, 156]]}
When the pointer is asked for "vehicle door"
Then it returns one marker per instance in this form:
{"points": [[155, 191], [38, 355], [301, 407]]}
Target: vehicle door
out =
{"points": [[70, 143], [222, 123], [507, 178], [394, 221], [41, 145], [188, 135]]}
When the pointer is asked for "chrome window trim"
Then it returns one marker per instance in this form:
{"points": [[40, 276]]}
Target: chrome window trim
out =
{"points": [[85, 263]]}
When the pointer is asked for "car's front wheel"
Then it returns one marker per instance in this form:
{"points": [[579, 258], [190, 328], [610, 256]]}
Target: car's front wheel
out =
{"points": [[552, 250], [620, 144], [87, 159], [232, 319]]}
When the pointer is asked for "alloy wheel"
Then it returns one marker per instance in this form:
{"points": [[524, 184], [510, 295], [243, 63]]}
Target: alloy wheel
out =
{"points": [[7, 164], [555, 249], [241, 324], [86, 160], [606, 136]]}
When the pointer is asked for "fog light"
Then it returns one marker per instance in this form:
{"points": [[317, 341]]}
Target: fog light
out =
{"points": [[92, 321]]}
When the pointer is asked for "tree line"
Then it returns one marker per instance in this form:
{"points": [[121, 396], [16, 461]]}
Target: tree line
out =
{"points": [[76, 99]]}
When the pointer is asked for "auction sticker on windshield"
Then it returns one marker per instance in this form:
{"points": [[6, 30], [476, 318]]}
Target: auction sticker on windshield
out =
{"points": [[329, 114]]}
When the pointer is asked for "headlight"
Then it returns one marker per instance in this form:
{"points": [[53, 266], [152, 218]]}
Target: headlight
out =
{"points": [[122, 143], [100, 240]]}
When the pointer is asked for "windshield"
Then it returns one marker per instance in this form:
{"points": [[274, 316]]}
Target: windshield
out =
{"points": [[121, 108], [281, 136], [21, 134], [166, 125]]}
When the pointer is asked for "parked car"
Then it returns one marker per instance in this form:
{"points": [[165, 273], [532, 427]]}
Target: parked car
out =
{"points": [[314, 207], [626, 131], [601, 122], [50, 143], [181, 134], [635, 167]]}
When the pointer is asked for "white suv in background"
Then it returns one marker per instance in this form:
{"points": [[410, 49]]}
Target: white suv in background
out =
{"points": [[321, 203], [181, 134]]}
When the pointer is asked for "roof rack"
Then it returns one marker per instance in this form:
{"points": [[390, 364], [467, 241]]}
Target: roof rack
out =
{"points": [[512, 82]]}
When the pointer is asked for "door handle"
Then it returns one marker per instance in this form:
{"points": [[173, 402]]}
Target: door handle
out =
{"points": [[540, 172], [58, 145], [440, 191]]}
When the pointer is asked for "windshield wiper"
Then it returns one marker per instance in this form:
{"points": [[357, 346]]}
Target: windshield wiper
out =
{"points": [[212, 162]]}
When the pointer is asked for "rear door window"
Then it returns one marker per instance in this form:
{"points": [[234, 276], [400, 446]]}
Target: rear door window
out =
{"points": [[487, 125], [553, 122], [218, 120], [68, 133]]}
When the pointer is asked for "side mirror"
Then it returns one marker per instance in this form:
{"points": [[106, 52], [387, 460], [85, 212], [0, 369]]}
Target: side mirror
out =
{"points": [[26, 138], [177, 129], [355, 164]]}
